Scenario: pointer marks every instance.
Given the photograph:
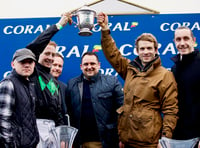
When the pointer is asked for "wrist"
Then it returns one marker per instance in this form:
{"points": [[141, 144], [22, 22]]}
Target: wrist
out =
{"points": [[106, 27], [59, 26]]}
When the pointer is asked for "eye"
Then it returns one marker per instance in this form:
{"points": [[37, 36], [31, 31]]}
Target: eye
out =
{"points": [[149, 48], [47, 53], [178, 39], [141, 49], [85, 64], [92, 64], [53, 54], [186, 38]]}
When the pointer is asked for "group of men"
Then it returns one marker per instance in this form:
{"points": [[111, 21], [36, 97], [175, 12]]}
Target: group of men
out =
{"points": [[154, 103]]}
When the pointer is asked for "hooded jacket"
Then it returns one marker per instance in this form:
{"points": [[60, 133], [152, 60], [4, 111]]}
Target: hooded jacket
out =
{"points": [[148, 92]]}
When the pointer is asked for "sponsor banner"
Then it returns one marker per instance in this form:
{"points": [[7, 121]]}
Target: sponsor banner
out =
{"points": [[17, 33]]}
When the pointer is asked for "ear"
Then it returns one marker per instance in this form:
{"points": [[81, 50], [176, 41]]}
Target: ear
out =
{"points": [[99, 65], [157, 50], [194, 39], [81, 66], [12, 64]]}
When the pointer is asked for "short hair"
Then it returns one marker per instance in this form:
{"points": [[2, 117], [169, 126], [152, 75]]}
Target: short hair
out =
{"points": [[52, 43], [185, 27], [147, 37], [59, 55], [90, 53]]}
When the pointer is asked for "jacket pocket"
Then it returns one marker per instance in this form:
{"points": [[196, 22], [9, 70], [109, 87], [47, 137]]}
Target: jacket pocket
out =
{"points": [[106, 100], [144, 125], [105, 95], [122, 124]]}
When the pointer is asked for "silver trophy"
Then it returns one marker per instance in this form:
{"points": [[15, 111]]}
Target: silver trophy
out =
{"points": [[85, 20], [66, 134]]}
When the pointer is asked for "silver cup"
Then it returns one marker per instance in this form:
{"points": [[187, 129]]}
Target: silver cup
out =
{"points": [[85, 20]]}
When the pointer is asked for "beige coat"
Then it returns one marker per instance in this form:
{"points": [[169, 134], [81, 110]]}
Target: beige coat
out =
{"points": [[146, 95]]}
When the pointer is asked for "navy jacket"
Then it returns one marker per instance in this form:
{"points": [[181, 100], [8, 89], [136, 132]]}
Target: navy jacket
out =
{"points": [[187, 75], [106, 96]]}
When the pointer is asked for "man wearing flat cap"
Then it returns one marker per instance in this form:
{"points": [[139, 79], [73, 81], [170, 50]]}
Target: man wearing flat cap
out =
{"points": [[18, 127]]}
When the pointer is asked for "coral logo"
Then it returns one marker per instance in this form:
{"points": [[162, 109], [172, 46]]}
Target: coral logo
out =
{"points": [[96, 48], [134, 24]]}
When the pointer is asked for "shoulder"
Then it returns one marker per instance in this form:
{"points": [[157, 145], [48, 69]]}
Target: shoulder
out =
{"points": [[6, 87], [62, 83], [109, 79], [6, 83], [74, 80]]}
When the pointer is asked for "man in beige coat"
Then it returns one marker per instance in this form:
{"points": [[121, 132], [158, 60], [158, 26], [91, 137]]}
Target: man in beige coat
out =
{"points": [[150, 91]]}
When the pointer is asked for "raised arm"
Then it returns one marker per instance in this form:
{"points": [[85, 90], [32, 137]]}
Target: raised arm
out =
{"points": [[38, 45]]}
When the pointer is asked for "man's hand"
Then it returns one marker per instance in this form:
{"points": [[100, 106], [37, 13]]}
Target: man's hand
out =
{"points": [[65, 18], [102, 20]]}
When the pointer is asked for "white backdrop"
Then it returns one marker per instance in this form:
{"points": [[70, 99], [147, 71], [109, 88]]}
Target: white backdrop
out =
{"points": [[53, 8]]}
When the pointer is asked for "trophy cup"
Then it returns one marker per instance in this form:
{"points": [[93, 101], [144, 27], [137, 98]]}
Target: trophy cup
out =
{"points": [[85, 20]]}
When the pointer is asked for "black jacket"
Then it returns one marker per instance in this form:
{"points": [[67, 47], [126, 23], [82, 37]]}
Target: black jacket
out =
{"points": [[48, 100], [63, 90], [187, 75], [23, 118]]}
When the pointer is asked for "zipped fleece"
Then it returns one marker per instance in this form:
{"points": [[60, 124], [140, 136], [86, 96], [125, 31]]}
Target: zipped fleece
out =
{"points": [[147, 93]]}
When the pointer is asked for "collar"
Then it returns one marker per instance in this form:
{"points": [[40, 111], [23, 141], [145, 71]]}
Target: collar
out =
{"points": [[20, 77], [92, 79], [185, 58], [43, 68], [138, 64]]}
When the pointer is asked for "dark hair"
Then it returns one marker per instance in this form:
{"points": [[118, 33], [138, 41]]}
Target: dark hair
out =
{"points": [[185, 27], [90, 53]]}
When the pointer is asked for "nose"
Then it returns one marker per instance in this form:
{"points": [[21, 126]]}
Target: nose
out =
{"points": [[89, 65], [145, 50], [182, 42], [26, 64]]}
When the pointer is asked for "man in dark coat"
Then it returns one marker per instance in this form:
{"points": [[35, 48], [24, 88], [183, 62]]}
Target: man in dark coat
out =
{"points": [[187, 74], [18, 127]]}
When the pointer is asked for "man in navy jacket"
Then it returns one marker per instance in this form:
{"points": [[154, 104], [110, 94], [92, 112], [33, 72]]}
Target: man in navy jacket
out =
{"points": [[187, 74], [92, 101]]}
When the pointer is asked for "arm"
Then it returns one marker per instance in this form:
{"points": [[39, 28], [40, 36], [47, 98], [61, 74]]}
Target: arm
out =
{"points": [[110, 49], [6, 103], [38, 45], [169, 104]]}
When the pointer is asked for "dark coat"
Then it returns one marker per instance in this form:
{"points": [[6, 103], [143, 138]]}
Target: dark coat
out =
{"points": [[48, 99], [63, 90], [23, 119], [187, 75], [106, 96]]}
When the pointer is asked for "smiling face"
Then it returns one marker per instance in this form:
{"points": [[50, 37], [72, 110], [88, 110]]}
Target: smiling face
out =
{"points": [[24, 68], [147, 47], [146, 51], [57, 66], [90, 66], [46, 58], [184, 41]]}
